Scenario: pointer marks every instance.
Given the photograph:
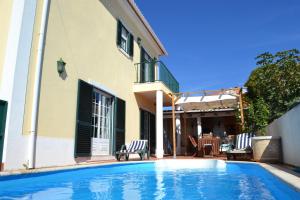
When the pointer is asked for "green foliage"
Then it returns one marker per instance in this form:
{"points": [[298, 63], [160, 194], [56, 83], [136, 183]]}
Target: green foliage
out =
{"points": [[257, 116], [273, 87]]}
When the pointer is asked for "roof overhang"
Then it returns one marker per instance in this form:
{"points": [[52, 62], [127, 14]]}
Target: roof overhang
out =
{"points": [[146, 24]]}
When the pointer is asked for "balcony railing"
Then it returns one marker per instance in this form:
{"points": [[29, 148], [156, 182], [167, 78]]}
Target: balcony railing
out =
{"points": [[156, 71]]}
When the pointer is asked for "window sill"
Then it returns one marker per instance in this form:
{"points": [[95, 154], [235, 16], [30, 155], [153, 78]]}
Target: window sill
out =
{"points": [[125, 53]]}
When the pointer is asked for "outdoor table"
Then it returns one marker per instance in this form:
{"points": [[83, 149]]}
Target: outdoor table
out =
{"points": [[214, 141]]}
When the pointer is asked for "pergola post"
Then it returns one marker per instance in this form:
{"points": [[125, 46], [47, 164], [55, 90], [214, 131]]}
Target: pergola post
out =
{"points": [[199, 127], [178, 134], [174, 100], [185, 132], [241, 107], [173, 126]]}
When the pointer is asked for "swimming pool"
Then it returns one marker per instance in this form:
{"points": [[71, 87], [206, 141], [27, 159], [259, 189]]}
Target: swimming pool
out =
{"points": [[166, 179]]}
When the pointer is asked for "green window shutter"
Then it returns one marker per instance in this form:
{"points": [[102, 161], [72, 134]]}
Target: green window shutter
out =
{"points": [[84, 119], [3, 109], [119, 32], [130, 43], [120, 114]]}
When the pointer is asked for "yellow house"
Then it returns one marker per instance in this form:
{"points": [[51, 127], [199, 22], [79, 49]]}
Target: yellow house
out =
{"points": [[78, 80]]}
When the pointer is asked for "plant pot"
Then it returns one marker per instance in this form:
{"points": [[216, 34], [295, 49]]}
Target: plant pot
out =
{"points": [[267, 149]]}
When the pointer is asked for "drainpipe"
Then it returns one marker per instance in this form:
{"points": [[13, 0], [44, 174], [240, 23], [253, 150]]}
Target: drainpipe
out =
{"points": [[36, 87]]}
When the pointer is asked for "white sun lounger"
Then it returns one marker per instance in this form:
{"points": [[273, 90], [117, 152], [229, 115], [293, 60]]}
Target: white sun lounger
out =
{"points": [[135, 147]]}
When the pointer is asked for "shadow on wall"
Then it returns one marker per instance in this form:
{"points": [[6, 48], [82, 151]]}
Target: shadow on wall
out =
{"points": [[63, 75], [144, 103]]}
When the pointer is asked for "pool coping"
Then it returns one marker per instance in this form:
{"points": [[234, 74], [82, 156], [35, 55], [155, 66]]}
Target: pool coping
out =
{"points": [[280, 171], [288, 176], [67, 167], [283, 173]]}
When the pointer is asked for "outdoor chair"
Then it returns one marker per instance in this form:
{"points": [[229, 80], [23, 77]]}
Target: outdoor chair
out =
{"points": [[135, 147], [242, 147], [195, 145]]}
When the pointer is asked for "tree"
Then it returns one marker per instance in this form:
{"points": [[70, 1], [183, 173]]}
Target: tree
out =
{"points": [[274, 86], [257, 116]]}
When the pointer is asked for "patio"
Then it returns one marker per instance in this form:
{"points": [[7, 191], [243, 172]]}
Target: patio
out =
{"points": [[201, 121]]}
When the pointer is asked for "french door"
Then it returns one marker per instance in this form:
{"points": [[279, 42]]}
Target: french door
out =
{"points": [[100, 122], [101, 140]]}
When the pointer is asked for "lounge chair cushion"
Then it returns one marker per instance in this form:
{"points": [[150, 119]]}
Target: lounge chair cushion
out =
{"points": [[243, 140]]}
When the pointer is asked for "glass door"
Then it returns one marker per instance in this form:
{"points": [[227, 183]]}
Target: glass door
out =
{"points": [[147, 129], [147, 71], [102, 123]]}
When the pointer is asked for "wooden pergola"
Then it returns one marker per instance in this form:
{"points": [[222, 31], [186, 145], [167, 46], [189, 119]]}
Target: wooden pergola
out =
{"points": [[238, 91]]}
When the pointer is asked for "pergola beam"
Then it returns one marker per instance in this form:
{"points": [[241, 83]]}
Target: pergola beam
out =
{"points": [[241, 107], [205, 92]]}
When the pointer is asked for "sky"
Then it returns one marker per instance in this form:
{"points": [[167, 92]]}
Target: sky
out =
{"points": [[212, 44]]}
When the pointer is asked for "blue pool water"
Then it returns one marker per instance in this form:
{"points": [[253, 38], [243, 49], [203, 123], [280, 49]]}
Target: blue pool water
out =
{"points": [[178, 179]]}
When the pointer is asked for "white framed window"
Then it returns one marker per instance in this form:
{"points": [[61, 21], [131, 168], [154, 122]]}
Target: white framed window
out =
{"points": [[124, 39]]}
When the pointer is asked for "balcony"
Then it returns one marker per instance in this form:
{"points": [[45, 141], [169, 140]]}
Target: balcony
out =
{"points": [[156, 71]]}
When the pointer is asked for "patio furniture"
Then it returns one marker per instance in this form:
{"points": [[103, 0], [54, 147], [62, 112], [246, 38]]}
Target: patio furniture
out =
{"points": [[226, 147], [243, 147], [195, 145], [207, 135], [135, 147], [227, 144], [213, 141], [208, 150]]}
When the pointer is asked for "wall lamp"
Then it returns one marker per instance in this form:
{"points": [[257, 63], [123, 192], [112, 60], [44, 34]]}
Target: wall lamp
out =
{"points": [[61, 66], [139, 41]]}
